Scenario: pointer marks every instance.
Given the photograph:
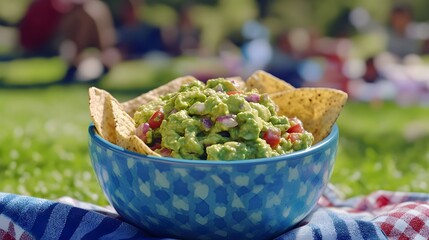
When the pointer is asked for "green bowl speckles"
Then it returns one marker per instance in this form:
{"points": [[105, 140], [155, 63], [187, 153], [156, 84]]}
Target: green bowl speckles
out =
{"points": [[199, 199]]}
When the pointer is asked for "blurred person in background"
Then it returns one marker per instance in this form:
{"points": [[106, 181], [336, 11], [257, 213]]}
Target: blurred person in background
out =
{"points": [[135, 37], [284, 62], [392, 73], [256, 49], [67, 28], [399, 42], [184, 37]]}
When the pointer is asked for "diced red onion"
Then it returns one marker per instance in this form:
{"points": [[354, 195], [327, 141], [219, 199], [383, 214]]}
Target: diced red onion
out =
{"points": [[173, 111], [156, 146], [228, 121], [199, 107], [142, 130], [165, 152], [235, 83], [207, 123], [253, 97], [294, 121], [218, 88]]}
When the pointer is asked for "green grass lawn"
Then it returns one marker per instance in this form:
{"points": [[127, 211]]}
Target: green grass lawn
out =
{"points": [[384, 147], [43, 145]]}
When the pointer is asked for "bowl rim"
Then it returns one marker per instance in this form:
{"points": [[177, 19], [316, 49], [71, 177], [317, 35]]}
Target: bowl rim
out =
{"points": [[294, 156]]}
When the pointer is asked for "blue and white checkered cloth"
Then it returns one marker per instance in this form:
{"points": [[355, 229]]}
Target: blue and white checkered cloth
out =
{"points": [[370, 217]]}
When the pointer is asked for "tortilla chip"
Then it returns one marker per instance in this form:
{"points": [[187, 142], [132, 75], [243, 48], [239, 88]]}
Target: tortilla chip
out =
{"points": [[135, 144], [113, 123], [317, 108], [267, 83], [101, 113], [124, 124], [173, 86], [125, 131]]}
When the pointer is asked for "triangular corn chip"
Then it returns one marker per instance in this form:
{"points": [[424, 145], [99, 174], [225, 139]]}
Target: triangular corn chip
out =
{"points": [[125, 131], [101, 113], [317, 108], [132, 105], [135, 144], [267, 83], [113, 123]]}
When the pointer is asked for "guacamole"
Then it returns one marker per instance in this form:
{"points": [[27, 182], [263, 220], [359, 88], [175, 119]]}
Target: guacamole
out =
{"points": [[218, 121]]}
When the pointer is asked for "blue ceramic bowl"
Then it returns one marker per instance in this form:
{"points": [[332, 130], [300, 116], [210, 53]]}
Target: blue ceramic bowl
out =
{"points": [[198, 199]]}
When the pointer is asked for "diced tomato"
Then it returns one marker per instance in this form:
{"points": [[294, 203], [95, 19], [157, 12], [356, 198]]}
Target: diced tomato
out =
{"points": [[297, 128], [272, 137], [233, 92], [156, 119]]}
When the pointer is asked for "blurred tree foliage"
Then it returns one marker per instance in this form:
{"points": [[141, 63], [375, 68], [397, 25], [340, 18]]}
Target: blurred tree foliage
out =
{"points": [[12, 11]]}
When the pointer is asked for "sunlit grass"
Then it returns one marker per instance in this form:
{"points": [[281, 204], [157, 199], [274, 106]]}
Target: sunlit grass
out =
{"points": [[44, 144], [384, 147], [29, 71]]}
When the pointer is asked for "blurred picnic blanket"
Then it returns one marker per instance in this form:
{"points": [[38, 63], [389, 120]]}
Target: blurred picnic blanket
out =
{"points": [[380, 215]]}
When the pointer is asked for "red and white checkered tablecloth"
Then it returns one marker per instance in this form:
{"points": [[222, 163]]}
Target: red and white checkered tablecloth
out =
{"points": [[408, 220]]}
